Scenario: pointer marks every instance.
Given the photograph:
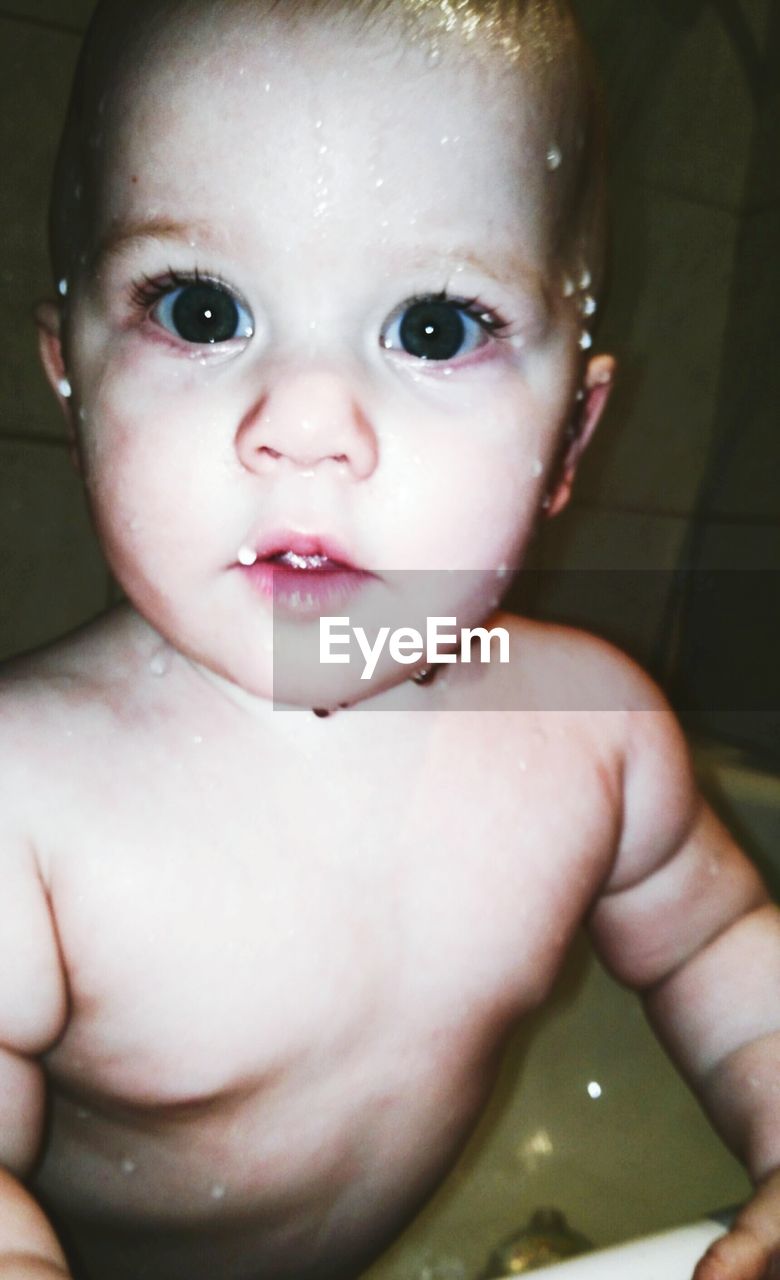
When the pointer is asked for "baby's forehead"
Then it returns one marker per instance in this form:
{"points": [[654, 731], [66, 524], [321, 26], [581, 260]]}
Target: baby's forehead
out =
{"points": [[316, 95], [190, 97], [229, 41]]}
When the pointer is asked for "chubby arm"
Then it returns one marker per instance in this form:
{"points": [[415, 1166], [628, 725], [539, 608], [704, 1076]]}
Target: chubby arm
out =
{"points": [[685, 919], [33, 1007]]}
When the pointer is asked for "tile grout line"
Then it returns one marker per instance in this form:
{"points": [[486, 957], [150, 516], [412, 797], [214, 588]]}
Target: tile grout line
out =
{"points": [[47, 442], [62, 28]]}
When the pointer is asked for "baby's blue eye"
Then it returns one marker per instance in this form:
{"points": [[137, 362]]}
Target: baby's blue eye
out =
{"points": [[436, 328], [203, 313]]}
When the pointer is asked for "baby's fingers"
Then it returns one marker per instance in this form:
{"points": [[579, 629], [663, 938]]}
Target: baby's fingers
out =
{"points": [[739, 1255], [751, 1249]]}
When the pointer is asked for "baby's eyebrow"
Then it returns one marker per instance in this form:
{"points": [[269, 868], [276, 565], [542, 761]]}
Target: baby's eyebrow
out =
{"points": [[124, 236], [502, 264]]}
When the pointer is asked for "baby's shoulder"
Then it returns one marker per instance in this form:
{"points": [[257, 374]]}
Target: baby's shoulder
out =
{"points": [[50, 696], [613, 705], [553, 667]]}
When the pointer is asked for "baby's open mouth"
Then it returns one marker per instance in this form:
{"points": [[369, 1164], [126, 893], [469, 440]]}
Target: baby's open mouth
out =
{"points": [[294, 560], [297, 561], [303, 576]]}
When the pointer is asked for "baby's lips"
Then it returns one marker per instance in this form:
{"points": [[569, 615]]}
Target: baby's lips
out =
{"points": [[290, 542]]}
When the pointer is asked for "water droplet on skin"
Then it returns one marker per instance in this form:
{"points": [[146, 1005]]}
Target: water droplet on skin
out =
{"points": [[501, 571], [568, 287], [197, 740], [160, 663], [128, 1165], [589, 305], [585, 340], [267, 87], [433, 57], [63, 287], [64, 388], [586, 279], [218, 1191], [380, 182], [553, 157], [537, 468]]}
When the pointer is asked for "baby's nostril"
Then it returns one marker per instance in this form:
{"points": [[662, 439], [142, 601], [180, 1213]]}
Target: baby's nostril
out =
{"points": [[273, 453]]}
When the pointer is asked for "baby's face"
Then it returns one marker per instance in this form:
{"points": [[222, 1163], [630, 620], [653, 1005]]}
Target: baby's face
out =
{"points": [[320, 317]]}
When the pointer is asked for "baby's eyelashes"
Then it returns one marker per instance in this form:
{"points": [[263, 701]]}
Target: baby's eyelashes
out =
{"points": [[204, 312], [438, 327], [200, 311]]}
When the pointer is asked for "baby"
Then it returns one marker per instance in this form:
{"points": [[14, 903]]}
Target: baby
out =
{"points": [[325, 275]]}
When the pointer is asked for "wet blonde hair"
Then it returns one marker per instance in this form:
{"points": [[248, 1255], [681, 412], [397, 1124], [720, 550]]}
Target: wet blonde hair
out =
{"points": [[538, 37]]}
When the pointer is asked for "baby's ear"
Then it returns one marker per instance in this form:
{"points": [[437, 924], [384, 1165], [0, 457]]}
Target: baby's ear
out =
{"points": [[48, 320], [599, 377]]}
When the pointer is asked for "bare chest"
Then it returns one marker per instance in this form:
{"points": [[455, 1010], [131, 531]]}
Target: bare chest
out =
{"points": [[235, 919], [282, 984]]}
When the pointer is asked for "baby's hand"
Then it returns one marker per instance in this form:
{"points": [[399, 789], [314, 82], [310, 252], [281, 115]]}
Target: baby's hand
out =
{"points": [[751, 1249]]}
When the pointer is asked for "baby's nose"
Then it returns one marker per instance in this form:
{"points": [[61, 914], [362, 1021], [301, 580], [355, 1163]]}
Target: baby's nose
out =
{"points": [[305, 419]]}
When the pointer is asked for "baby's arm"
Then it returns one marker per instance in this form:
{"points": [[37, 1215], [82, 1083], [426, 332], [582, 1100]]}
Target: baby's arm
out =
{"points": [[33, 1007], [686, 920]]}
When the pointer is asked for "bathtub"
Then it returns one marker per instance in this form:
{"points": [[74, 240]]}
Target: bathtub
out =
{"points": [[589, 1115]]}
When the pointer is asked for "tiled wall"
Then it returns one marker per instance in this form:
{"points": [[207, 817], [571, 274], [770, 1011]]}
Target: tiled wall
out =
{"points": [[52, 575], [695, 227]]}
